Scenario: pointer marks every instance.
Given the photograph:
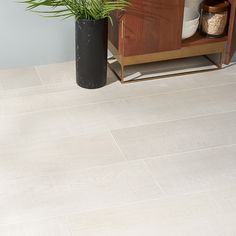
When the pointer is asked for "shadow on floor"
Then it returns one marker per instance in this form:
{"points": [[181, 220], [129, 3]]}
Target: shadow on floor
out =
{"points": [[111, 77]]}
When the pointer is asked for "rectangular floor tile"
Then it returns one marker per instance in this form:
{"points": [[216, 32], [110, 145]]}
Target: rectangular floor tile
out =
{"points": [[190, 215], [165, 107], [32, 103], [38, 125], [49, 227], [60, 194], [130, 112], [37, 90], [177, 136], [109, 186], [196, 171], [55, 73], [114, 89], [30, 158], [171, 84], [19, 78]]}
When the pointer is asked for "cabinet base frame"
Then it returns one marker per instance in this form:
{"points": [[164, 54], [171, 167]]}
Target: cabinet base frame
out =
{"points": [[184, 52]]}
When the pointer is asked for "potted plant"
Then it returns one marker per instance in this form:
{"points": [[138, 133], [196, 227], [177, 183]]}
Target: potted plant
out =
{"points": [[91, 27]]}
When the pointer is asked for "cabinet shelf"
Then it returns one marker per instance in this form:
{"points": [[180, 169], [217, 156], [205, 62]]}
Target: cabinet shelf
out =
{"points": [[199, 39]]}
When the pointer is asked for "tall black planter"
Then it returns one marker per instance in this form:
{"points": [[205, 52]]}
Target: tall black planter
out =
{"points": [[91, 53]]}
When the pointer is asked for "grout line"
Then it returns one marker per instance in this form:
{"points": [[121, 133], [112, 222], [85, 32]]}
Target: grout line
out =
{"points": [[180, 119], [127, 161], [127, 96], [140, 96], [118, 146], [153, 178], [186, 152], [38, 74], [103, 102]]}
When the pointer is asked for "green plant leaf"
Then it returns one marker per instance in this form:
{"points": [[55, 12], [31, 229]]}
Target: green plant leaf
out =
{"points": [[80, 9]]}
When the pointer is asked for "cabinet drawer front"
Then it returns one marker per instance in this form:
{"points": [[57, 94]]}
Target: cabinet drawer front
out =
{"points": [[152, 26]]}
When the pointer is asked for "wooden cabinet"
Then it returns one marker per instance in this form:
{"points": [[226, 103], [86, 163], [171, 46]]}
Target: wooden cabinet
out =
{"points": [[148, 27], [150, 30], [231, 41]]}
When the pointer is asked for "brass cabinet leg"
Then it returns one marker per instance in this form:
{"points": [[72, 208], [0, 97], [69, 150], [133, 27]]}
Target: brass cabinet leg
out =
{"points": [[219, 64], [122, 73], [220, 61]]}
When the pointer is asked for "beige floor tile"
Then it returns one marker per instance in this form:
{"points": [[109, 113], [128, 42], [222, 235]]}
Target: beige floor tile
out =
{"points": [[177, 136], [58, 95], [37, 90], [27, 158], [173, 84], [190, 215], [56, 73], [108, 186], [61, 194], [19, 78], [100, 117], [131, 112], [38, 125], [196, 171], [225, 201], [165, 107], [49, 227], [114, 89], [229, 69], [33, 103]]}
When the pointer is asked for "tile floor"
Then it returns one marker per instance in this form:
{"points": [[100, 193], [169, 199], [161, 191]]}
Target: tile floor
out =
{"points": [[145, 159]]}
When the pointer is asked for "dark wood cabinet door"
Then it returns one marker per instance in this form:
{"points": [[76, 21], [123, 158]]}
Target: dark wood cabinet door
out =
{"points": [[231, 42], [151, 26]]}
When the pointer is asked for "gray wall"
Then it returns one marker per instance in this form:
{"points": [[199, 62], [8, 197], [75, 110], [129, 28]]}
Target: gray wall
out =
{"points": [[27, 39]]}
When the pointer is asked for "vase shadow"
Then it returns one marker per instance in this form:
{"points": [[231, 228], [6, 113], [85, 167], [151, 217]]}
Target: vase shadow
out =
{"points": [[111, 77]]}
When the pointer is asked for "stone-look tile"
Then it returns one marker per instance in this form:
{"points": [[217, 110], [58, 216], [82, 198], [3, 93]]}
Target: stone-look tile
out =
{"points": [[98, 117], [229, 69], [166, 107], [173, 84], [19, 78], [177, 136], [190, 215], [196, 171], [131, 112], [56, 73], [38, 125], [49, 227], [25, 158], [37, 90], [225, 201], [69, 192], [108, 186], [34, 103], [59, 95], [115, 90]]}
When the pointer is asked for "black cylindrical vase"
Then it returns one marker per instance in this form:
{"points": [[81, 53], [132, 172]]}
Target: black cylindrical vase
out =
{"points": [[91, 53]]}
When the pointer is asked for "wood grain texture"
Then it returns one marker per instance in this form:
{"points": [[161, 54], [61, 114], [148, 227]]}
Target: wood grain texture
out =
{"points": [[198, 39], [231, 45], [148, 26], [153, 26]]}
